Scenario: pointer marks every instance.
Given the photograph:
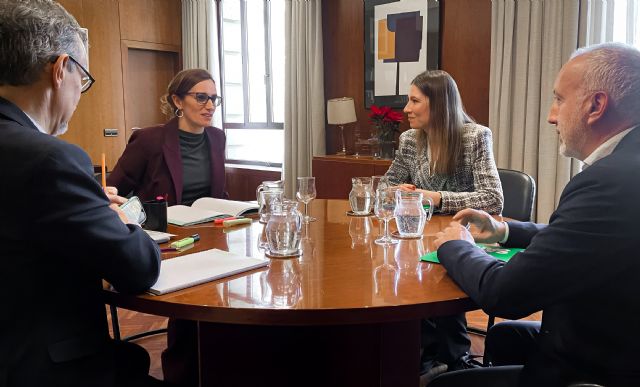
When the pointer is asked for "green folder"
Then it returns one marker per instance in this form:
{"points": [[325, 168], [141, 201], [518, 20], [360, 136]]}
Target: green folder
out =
{"points": [[498, 252]]}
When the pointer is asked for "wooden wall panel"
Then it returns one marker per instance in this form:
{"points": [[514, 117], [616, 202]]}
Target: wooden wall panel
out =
{"points": [[102, 106], [343, 49], [151, 25], [165, 14], [241, 183], [465, 51], [147, 74]]}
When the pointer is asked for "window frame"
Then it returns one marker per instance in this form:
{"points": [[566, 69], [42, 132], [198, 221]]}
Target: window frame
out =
{"points": [[269, 124]]}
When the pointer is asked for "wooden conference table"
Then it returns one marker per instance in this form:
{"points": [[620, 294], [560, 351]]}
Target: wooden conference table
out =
{"points": [[345, 313]]}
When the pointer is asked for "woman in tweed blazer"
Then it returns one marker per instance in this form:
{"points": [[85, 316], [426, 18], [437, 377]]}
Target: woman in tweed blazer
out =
{"points": [[446, 156]]}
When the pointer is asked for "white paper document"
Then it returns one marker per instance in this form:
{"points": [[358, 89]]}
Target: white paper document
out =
{"points": [[159, 236], [194, 269]]}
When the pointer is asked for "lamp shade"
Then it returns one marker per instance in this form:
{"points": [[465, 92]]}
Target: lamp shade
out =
{"points": [[341, 111]]}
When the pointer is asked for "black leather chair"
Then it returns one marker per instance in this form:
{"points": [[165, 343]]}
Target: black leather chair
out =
{"points": [[519, 190]]}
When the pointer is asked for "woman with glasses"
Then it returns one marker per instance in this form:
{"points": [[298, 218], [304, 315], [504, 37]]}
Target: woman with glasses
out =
{"points": [[182, 160]]}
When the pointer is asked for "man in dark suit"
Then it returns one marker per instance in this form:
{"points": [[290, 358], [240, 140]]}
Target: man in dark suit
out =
{"points": [[583, 268], [60, 234]]}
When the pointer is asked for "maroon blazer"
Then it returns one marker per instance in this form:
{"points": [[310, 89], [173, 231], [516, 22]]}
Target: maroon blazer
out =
{"points": [[151, 164]]}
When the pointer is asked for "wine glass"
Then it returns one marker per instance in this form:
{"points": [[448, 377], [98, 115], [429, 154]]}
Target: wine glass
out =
{"points": [[306, 192], [385, 206], [379, 181]]}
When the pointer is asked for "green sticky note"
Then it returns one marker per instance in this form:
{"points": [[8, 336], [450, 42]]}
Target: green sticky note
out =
{"points": [[498, 252]]}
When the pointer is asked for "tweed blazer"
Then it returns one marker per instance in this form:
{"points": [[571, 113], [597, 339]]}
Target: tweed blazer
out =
{"points": [[475, 183]]}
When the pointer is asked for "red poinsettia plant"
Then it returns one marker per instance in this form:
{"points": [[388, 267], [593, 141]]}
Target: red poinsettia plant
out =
{"points": [[385, 121]]}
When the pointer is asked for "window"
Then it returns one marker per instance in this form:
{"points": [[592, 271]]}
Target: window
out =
{"points": [[252, 46], [626, 18]]}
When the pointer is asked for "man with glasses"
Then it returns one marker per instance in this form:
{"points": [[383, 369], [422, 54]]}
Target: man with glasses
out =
{"points": [[61, 235]]}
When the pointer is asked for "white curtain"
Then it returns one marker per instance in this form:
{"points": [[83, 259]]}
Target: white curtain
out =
{"points": [[199, 41], [530, 41], [304, 90]]}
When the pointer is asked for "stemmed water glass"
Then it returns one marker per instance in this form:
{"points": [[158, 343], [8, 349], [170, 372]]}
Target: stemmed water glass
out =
{"points": [[306, 192], [385, 206]]}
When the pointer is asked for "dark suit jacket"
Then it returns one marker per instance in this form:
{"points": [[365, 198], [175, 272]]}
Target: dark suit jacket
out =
{"points": [[151, 165], [59, 240], [582, 270]]}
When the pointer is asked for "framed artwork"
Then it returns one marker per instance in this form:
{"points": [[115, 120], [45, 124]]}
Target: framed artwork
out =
{"points": [[401, 40]]}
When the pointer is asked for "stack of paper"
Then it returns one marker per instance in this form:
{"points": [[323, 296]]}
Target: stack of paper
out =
{"points": [[194, 269]]}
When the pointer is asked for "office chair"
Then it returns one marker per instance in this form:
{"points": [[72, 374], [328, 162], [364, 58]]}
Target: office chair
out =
{"points": [[519, 190], [115, 325]]}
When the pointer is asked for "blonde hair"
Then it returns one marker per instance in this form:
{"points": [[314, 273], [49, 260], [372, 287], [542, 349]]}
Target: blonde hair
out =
{"points": [[446, 121]]}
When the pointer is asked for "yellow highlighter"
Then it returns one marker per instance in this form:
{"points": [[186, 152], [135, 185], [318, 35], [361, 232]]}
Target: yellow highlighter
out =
{"points": [[235, 222], [185, 241]]}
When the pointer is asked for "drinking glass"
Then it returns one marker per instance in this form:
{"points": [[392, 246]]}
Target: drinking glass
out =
{"points": [[268, 198], [385, 206], [306, 192], [379, 181]]}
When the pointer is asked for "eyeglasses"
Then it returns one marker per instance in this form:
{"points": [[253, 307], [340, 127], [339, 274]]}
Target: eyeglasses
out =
{"points": [[202, 98], [87, 80]]}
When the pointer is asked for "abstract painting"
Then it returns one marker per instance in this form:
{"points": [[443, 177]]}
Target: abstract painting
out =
{"points": [[401, 41]]}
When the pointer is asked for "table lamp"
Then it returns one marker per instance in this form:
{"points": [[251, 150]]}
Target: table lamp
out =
{"points": [[341, 111]]}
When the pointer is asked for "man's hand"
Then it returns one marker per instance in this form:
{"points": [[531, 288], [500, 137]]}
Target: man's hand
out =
{"points": [[112, 194], [120, 213], [455, 231], [485, 228]]}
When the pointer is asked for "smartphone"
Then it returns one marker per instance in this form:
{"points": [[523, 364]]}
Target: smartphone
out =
{"points": [[134, 211]]}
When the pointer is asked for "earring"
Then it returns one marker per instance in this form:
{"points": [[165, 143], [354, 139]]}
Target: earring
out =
{"points": [[179, 113]]}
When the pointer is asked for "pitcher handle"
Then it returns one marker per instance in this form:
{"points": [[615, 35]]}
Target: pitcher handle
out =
{"points": [[258, 196], [428, 207]]}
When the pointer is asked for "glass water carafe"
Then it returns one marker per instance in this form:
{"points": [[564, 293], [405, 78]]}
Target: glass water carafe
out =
{"points": [[361, 195], [410, 213], [284, 229]]}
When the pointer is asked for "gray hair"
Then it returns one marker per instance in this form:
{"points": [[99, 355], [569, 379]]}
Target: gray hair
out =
{"points": [[32, 34], [615, 69]]}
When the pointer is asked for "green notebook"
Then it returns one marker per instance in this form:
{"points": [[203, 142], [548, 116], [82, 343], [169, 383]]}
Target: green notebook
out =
{"points": [[499, 252]]}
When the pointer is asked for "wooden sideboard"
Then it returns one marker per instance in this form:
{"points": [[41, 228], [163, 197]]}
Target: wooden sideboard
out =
{"points": [[333, 173]]}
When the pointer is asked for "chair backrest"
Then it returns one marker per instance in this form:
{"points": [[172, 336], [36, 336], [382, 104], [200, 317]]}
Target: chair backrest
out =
{"points": [[519, 191]]}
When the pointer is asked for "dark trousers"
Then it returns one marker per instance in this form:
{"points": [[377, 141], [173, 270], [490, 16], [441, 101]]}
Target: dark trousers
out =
{"points": [[180, 358], [445, 339], [507, 347], [132, 366]]}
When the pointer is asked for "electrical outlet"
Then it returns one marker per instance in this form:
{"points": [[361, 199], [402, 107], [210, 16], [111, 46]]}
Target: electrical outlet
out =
{"points": [[111, 132]]}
